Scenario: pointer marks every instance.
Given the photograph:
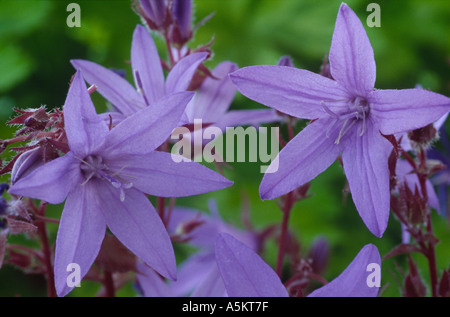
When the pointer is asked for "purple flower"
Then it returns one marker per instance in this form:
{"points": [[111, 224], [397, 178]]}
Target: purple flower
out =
{"points": [[198, 276], [214, 98], [245, 274], [148, 75], [104, 177], [350, 115]]}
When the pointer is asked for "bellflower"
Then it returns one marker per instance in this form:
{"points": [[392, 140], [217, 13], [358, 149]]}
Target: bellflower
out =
{"points": [[105, 177], [347, 116], [147, 73], [198, 276], [214, 98], [245, 274]]}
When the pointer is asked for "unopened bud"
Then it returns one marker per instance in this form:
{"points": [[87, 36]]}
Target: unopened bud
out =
{"points": [[423, 136], [319, 254]]}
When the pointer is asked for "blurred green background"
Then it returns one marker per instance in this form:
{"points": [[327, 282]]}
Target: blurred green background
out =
{"points": [[411, 47]]}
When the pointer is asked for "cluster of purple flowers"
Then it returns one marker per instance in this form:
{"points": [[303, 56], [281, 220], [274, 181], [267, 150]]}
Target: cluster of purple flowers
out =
{"points": [[104, 166]]}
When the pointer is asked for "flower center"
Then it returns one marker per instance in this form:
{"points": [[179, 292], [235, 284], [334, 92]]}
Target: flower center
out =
{"points": [[358, 109], [93, 166]]}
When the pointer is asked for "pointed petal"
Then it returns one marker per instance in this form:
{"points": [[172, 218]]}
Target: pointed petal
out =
{"points": [[214, 96], [351, 57], [244, 273], [181, 74], [366, 167], [353, 281], [398, 111], [110, 85], [145, 60], [51, 182], [293, 91], [84, 128], [212, 284], [158, 174], [191, 272], [137, 225], [80, 235], [307, 155], [148, 128], [151, 283]]}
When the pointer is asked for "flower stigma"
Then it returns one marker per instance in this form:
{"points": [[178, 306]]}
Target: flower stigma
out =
{"points": [[358, 109], [93, 166]]}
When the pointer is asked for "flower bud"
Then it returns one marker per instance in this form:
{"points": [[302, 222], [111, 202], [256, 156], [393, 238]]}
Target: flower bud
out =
{"points": [[154, 11], [286, 61], [423, 136], [318, 254], [26, 163], [182, 14]]}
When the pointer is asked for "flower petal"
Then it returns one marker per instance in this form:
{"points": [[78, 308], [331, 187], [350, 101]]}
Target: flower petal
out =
{"points": [[365, 161], [51, 182], [151, 283], [84, 128], [145, 60], [244, 273], [137, 225], [354, 280], [307, 155], [214, 96], [212, 284], [402, 110], [158, 174], [80, 235], [110, 85], [351, 57], [181, 74], [148, 128], [293, 91]]}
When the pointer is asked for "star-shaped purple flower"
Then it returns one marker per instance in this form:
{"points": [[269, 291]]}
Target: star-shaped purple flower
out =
{"points": [[106, 176], [147, 73], [245, 274], [198, 276], [350, 115]]}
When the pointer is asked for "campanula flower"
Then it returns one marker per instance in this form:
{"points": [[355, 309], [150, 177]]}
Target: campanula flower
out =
{"points": [[347, 116], [212, 102], [150, 84], [245, 274], [105, 177], [198, 276]]}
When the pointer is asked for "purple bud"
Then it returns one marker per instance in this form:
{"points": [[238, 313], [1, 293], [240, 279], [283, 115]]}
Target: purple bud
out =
{"points": [[182, 13], [319, 253], [285, 61], [26, 163], [154, 10]]}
